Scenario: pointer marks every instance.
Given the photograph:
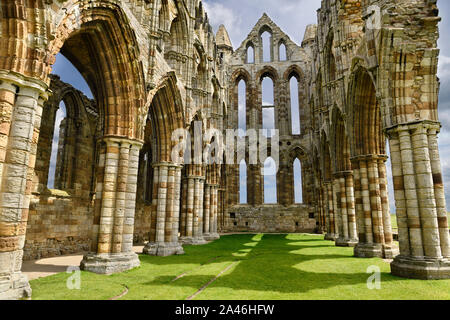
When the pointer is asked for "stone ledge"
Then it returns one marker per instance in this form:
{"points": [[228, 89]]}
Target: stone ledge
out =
{"points": [[424, 269], [163, 249], [14, 287], [109, 263], [211, 236], [330, 237], [193, 241], [375, 251], [341, 242]]}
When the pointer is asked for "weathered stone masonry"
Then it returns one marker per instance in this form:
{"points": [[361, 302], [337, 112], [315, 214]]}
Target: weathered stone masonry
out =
{"points": [[366, 75]]}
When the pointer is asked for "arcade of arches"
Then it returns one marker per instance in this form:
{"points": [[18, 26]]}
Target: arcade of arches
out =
{"points": [[154, 67]]}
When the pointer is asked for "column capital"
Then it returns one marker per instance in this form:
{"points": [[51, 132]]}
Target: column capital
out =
{"points": [[369, 157], [167, 164], [32, 87], [195, 177], [342, 174], [213, 185], [122, 140], [427, 124]]}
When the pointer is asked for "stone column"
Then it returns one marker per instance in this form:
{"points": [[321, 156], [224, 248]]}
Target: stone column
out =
{"points": [[183, 214], [154, 211], [130, 198], [331, 230], [207, 211], [347, 221], [168, 210], [423, 228], [336, 206], [198, 211], [115, 235], [21, 109], [188, 238], [213, 235], [375, 232]]}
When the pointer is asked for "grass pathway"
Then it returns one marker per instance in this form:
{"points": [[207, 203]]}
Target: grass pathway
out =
{"points": [[266, 267]]}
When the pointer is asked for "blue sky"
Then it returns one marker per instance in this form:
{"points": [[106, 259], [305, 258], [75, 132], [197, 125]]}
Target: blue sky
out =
{"points": [[292, 16]]}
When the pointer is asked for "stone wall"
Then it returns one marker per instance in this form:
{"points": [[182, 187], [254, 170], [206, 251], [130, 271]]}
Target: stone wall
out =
{"points": [[58, 224], [270, 219], [142, 223]]}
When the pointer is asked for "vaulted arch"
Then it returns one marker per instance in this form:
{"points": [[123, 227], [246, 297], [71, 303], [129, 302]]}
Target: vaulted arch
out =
{"points": [[166, 115]]}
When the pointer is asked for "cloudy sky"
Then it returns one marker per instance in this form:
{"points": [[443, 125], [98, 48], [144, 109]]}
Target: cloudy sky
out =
{"points": [[239, 17]]}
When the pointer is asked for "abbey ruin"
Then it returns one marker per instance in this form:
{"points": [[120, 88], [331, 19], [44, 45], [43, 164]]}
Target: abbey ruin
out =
{"points": [[365, 75]]}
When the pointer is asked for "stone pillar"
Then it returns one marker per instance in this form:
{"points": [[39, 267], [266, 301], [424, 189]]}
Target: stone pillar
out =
{"points": [[115, 234], [21, 109], [336, 206], [166, 241], [189, 211], [322, 210], [374, 227], [198, 211], [207, 211], [347, 221], [183, 214], [214, 211], [154, 211], [329, 205], [419, 195], [194, 208]]}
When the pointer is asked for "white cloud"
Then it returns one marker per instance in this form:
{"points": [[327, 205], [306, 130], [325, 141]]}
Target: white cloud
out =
{"points": [[444, 67], [239, 16]]}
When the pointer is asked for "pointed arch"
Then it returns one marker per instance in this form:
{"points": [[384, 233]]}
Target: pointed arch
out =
{"points": [[243, 182], [166, 115], [101, 44]]}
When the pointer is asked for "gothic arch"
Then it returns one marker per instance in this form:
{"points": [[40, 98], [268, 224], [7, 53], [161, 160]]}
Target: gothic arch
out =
{"points": [[366, 129], [102, 46], [166, 114], [340, 147], [267, 71]]}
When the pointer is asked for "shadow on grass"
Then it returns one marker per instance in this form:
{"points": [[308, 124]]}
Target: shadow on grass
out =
{"points": [[271, 263]]}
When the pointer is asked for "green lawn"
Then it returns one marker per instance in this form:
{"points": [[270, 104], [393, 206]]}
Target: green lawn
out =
{"points": [[265, 267]]}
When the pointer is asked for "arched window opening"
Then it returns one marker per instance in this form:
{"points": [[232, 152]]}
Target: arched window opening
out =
{"points": [[270, 181], [243, 182], [242, 105], [250, 54], [268, 107], [295, 106], [298, 191], [69, 74], [266, 38], [57, 145], [148, 175], [282, 52], [390, 182]]}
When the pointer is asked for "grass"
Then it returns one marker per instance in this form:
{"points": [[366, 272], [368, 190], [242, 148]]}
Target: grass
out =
{"points": [[264, 267]]}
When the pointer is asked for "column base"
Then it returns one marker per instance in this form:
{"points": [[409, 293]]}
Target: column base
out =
{"points": [[163, 249], [424, 269], [211, 236], [344, 242], [330, 237], [109, 263], [373, 250], [14, 286], [193, 241]]}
